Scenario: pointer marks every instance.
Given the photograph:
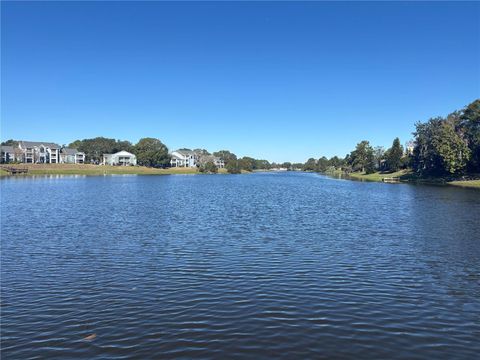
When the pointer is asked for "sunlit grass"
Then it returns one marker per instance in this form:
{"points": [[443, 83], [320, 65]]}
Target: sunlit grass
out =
{"points": [[378, 176], [87, 169], [466, 183]]}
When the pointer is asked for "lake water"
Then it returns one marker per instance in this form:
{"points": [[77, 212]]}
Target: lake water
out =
{"points": [[268, 265]]}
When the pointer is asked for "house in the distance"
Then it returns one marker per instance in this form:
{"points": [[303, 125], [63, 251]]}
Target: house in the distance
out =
{"points": [[184, 158], [194, 158], [409, 147], [39, 152], [8, 154], [72, 156], [203, 159], [122, 158]]}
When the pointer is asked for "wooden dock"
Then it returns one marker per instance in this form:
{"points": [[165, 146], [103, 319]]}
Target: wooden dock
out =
{"points": [[391, 179], [14, 170]]}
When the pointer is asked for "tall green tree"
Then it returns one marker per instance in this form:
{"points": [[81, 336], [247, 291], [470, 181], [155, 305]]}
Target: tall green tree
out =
{"points": [[124, 145], [335, 162], [10, 142], [362, 158], [451, 148], [322, 164], [370, 162], [394, 156], [152, 152], [439, 149], [469, 125], [310, 165], [247, 163]]}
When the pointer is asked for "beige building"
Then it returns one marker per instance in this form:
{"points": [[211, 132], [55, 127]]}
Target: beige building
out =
{"points": [[193, 158], [8, 154], [34, 152], [72, 156]]}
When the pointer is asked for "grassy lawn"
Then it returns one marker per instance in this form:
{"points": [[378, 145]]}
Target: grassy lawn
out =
{"points": [[468, 183], [408, 176], [378, 176], [87, 169]]}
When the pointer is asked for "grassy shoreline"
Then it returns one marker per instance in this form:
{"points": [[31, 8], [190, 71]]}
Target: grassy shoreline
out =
{"points": [[377, 176], [406, 176], [92, 170], [473, 184]]}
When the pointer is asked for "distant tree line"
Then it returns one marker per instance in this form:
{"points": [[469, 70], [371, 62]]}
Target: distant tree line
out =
{"points": [[153, 153], [10, 142], [235, 165], [441, 146], [149, 151]]}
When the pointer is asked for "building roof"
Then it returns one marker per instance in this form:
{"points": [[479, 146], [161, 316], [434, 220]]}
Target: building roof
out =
{"points": [[69, 151], [7, 149], [31, 144], [185, 152], [123, 153], [176, 157]]}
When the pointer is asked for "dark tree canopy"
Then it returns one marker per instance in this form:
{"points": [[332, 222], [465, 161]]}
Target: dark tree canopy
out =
{"points": [[439, 149], [310, 165], [151, 152], [247, 163], [394, 156], [469, 125], [322, 164], [362, 158], [10, 142], [335, 162], [262, 164]]}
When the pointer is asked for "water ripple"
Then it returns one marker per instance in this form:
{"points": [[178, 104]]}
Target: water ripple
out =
{"points": [[257, 266]]}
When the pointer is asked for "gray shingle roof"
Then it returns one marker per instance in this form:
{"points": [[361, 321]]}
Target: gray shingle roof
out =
{"points": [[69, 151], [185, 152], [31, 144], [7, 149]]}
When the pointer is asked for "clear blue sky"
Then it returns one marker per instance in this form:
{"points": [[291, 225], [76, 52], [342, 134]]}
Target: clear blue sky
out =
{"points": [[276, 80]]}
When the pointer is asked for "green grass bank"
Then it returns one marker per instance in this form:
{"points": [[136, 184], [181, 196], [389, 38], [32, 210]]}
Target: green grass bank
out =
{"points": [[407, 176], [87, 169]]}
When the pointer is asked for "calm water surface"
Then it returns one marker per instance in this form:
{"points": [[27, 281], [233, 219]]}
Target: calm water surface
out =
{"points": [[287, 265]]}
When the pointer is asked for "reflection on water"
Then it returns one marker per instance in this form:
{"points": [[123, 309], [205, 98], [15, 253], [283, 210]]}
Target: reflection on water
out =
{"points": [[274, 265]]}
